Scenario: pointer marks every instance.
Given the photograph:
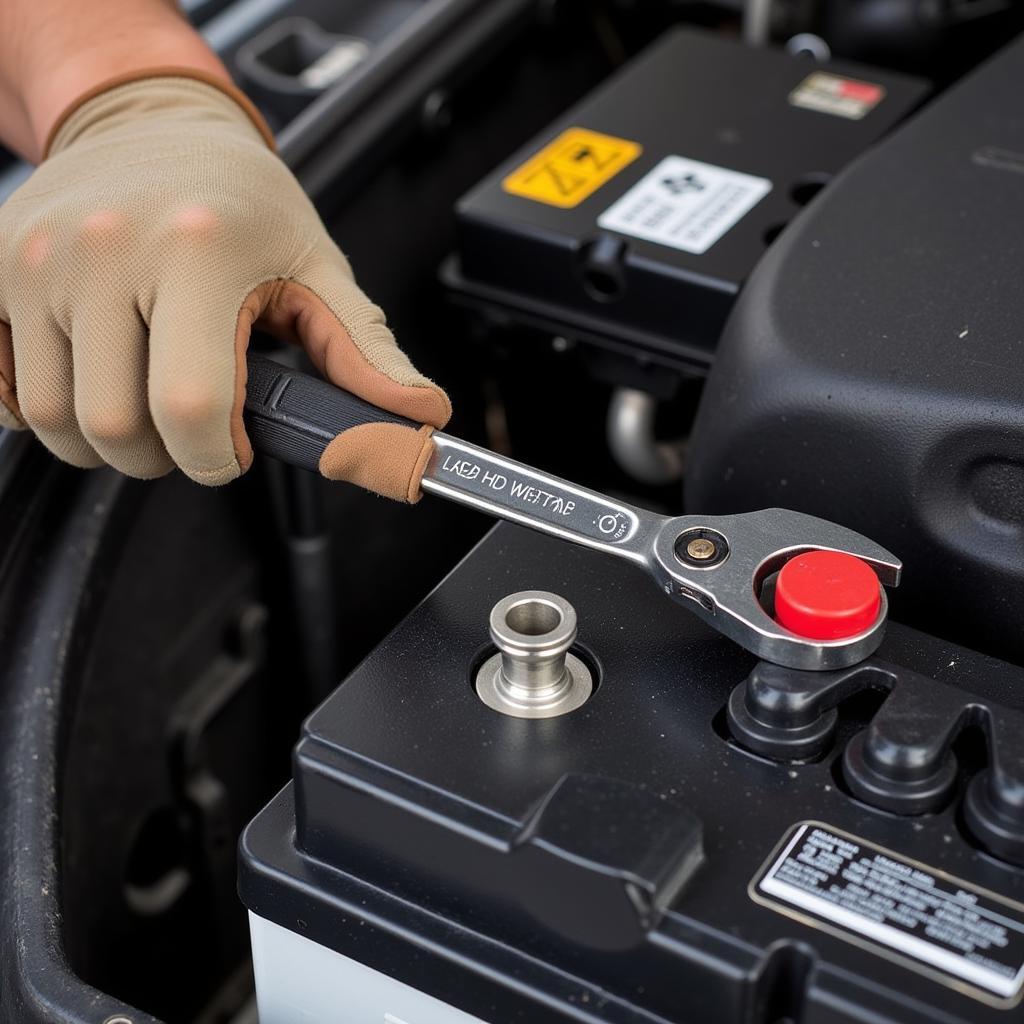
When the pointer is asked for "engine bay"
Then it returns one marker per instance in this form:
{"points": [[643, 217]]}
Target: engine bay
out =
{"points": [[702, 259]]}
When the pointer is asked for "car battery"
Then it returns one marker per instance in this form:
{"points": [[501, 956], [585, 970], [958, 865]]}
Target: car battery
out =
{"points": [[633, 220], [700, 838]]}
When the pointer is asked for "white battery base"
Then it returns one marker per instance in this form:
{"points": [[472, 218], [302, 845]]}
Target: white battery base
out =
{"points": [[298, 981]]}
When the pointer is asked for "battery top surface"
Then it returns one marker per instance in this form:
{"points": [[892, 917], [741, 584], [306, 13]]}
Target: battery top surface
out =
{"points": [[632, 854]]}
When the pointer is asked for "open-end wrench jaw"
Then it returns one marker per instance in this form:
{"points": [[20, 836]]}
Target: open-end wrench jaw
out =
{"points": [[725, 587], [727, 591]]}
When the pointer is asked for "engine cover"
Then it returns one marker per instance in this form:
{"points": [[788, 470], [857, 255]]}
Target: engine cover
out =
{"points": [[872, 370]]}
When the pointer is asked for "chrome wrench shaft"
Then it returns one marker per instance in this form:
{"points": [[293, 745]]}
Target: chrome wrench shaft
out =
{"points": [[476, 477]]}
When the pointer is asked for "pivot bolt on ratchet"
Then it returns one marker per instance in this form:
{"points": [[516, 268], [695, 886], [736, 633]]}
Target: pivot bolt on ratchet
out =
{"points": [[720, 567], [701, 549], [533, 675]]}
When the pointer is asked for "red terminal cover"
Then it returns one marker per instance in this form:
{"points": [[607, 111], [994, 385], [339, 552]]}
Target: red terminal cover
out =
{"points": [[827, 595]]}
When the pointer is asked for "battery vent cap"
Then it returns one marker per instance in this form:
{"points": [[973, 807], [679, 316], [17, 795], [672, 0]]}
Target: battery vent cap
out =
{"points": [[827, 595]]}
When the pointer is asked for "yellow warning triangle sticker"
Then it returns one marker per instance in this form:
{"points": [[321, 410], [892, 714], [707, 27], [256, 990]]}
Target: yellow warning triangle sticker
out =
{"points": [[572, 167]]}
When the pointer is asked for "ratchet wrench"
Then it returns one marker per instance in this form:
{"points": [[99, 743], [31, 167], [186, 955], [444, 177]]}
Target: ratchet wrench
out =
{"points": [[717, 566]]}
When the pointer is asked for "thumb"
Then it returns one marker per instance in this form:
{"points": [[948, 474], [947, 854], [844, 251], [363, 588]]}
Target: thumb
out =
{"points": [[349, 342], [347, 339]]}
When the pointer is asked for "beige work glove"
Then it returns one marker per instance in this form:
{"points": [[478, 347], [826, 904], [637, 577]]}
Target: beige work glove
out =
{"points": [[158, 231]]}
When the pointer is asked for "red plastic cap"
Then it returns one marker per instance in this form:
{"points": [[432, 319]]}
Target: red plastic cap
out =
{"points": [[827, 595]]}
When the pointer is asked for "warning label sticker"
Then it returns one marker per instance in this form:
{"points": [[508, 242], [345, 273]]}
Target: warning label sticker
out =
{"points": [[571, 168], [685, 204], [834, 94], [899, 908]]}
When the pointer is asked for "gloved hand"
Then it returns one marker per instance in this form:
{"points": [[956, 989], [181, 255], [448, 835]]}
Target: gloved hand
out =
{"points": [[134, 262]]}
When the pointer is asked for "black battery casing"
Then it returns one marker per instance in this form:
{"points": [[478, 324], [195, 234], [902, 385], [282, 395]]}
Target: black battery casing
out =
{"points": [[693, 94], [599, 866]]}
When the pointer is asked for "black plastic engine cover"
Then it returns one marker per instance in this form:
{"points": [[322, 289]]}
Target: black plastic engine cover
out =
{"points": [[873, 369], [608, 865]]}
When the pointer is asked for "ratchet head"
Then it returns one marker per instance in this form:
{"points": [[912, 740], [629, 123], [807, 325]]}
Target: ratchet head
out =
{"points": [[723, 567]]}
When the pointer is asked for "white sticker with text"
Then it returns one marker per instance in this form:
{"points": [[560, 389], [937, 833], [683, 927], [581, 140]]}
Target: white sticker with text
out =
{"points": [[685, 204]]}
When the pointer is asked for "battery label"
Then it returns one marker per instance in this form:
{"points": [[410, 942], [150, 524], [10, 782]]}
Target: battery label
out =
{"points": [[898, 908], [836, 95], [571, 168], [685, 204]]}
